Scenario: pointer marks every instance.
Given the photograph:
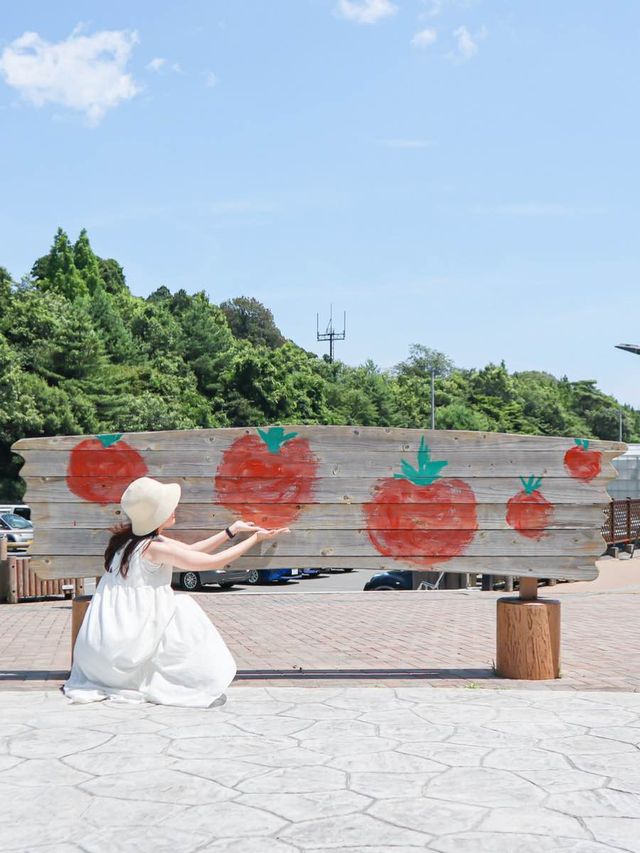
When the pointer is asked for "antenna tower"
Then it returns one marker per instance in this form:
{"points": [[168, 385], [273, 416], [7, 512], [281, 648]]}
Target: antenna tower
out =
{"points": [[330, 333]]}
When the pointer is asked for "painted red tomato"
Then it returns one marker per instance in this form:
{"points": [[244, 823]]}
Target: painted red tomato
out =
{"points": [[101, 468], [420, 518], [582, 463], [267, 478], [529, 512]]}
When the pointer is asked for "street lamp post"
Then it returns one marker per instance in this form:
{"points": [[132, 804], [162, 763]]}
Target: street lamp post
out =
{"points": [[433, 398], [635, 349]]}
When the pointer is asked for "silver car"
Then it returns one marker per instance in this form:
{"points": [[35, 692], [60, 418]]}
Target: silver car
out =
{"points": [[225, 578], [17, 531]]}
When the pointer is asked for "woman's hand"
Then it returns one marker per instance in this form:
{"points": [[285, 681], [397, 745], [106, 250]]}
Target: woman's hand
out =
{"points": [[264, 535], [243, 527]]}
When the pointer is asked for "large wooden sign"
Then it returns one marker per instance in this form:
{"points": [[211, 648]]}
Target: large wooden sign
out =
{"points": [[362, 497]]}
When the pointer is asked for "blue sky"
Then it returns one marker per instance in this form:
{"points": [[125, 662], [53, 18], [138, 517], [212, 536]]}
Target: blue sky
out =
{"points": [[459, 174]]}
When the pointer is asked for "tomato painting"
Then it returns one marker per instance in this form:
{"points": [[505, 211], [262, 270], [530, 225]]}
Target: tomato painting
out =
{"points": [[267, 478], [419, 516], [529, 512], [101, 468], [582, 463]]}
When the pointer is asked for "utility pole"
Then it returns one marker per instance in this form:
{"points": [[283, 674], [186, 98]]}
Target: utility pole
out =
{"points": [[330, 333], [620, 422]]}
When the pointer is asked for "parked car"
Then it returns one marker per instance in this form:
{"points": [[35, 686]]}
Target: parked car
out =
{"points": [[272, 575], [390, 580], [17, 531], [225, 578], [17, 509]]}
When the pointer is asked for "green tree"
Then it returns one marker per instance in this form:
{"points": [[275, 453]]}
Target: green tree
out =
{"points": [[422, 360], [112, 276], [77, 350], [250, 320], [6, 287], [57, 270], [116, 336], [86, 262]]}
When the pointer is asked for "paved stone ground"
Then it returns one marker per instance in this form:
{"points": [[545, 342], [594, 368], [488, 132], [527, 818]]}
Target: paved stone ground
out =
{"points": [[280, 770], [450, 636]]}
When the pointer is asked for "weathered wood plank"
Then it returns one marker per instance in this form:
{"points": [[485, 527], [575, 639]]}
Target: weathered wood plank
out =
{"points": [[302, 543], [333, 485], [570, 568], [346, 490], [207, 516], [334, 463], [335, 437]]}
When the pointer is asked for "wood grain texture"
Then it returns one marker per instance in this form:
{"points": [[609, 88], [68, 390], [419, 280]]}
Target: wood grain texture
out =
{"points": [[332, 464], [346, 543], [528, 639], [344, 490], [207, 517], [570, 568], [373, 439], [343, 474]]}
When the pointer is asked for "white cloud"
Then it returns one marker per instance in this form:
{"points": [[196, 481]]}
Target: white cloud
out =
{"points": [[466, 44], [85, 73], [160, 62], [424, 38], [210, 80], [366, 11], [405, 143], [156, 64]]}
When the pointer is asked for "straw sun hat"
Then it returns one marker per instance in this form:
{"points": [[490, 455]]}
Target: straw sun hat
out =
{"points": [[148, 503]]}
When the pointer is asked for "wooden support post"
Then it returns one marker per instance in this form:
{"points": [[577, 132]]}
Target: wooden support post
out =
{"points": [[508, 583], [79, 607], [4, 570], [528, 588], [13, 582], [528, 635]]}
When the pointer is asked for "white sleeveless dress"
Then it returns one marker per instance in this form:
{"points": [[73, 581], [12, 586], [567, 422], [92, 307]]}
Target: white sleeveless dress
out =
{"points": [[139, 642]]}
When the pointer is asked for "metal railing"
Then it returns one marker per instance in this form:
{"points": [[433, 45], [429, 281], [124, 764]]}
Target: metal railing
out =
{"points": [[621, 525]]}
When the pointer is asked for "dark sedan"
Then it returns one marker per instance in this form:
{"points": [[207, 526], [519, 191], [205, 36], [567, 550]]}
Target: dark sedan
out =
{"points": [[390, 580]]}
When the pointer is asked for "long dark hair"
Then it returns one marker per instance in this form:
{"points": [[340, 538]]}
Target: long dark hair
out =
{"points": [[123, 536]]}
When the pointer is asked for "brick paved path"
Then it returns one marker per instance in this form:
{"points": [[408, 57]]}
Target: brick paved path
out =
{"points": [[450, 634]]}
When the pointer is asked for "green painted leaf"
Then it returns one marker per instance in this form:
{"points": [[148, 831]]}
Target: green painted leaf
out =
{"points": [[108, 440], [531, 484], [427, 471], [275, 437]]}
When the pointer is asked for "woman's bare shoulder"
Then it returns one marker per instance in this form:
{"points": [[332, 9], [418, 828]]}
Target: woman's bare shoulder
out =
{"points": [[159, 549]]}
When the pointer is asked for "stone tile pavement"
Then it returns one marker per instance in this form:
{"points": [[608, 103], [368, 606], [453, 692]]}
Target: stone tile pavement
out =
{"points": [[448, 636], [359, 770]]}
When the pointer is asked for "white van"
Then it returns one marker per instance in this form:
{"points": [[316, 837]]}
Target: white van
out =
{"points": [[17, 509]]}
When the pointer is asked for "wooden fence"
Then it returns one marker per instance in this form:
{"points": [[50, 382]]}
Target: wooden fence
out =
{"points": [[621, 524], [19, 582]]}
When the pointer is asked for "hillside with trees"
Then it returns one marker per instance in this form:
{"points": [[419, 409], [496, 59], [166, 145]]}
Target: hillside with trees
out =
{"points": [[80, 354]]}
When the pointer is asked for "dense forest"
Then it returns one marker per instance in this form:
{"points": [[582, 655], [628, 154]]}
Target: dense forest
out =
{"points": [[80, 354]]}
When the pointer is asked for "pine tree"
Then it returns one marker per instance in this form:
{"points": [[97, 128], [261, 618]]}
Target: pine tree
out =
{"points": [[57, 271], [86, 262]]}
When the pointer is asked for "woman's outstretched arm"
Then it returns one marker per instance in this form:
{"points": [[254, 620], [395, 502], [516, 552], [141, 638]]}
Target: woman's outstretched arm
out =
{"points": [[188, 560], [212, 542]]}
